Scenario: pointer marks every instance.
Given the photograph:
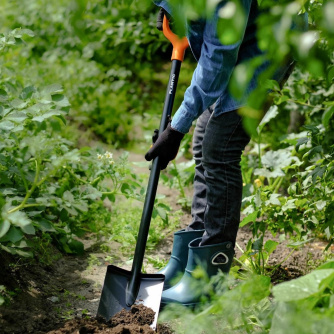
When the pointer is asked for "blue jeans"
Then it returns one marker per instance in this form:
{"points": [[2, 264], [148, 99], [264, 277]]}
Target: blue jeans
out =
{"points": [[218, 143]]}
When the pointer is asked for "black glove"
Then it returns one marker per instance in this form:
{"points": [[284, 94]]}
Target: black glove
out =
{"points": [[166, 146], [155, 136], [160, 18]]}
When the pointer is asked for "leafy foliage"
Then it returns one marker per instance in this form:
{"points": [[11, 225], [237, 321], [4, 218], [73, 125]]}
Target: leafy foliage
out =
{"points": [[302, 304], [47, 185], [302, 165], [105, 55]]}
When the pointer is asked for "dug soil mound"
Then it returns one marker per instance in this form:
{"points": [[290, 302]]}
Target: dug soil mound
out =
{"points": [[135, 321]]}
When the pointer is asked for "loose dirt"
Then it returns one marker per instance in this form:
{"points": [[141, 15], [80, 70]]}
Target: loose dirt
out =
{"points": [[63, 297], [135, 321]]}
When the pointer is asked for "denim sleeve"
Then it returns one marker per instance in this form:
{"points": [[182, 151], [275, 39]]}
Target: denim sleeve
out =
{"points": [[211, 76]]}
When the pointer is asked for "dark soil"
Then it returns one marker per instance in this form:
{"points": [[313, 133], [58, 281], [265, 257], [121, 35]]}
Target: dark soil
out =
{"points": [[39, 297], [135, 321]]}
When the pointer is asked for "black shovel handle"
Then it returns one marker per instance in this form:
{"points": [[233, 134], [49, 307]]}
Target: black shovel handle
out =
{"points": [[134, 282]]}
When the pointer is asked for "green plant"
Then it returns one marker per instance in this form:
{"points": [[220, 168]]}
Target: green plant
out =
{"points": [[298, 306], [85, 313], [107, 55], [42, 245], [66, 315], [157, 262], [50, 191], [2, 299], [179, 176], [7, 296], [240, 309], [306, 302], [124, 227], [303, 166], [31, 153], [109, 259], [255, 258], [93, 260]]}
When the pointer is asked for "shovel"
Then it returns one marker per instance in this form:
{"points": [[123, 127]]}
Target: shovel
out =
{"points": [[122, 288]]}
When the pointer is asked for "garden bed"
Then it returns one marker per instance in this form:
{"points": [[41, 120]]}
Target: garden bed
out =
{"points": [[55, 298]]}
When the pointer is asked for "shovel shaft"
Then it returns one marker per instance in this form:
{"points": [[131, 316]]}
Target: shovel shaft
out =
{"points": [[134, 282]]}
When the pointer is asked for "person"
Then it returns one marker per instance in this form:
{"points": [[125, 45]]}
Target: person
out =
{"points": [[218, 142]]}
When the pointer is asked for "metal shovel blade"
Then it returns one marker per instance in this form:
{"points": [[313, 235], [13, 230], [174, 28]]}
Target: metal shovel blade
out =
{"points": [[114, 292]]}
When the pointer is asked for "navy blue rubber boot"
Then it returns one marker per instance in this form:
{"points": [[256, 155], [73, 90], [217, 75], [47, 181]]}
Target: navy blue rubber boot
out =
{"points": [[211, 258], [178, 260]]}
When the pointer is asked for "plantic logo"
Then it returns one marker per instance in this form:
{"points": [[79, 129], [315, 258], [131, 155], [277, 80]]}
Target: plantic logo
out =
{"points": [[171, 86]]}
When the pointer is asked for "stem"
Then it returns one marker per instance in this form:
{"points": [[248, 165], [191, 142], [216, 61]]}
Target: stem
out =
{"points": [[286, 257], [93, 183], [115, 183], [263, 262], [75, 176], [275, 182], [253, 264], [120, 194], [29, 193], [243, 175], [279, 264], [278, 185], [33, 205], [241, 250], [110, 193], [259, 149], [259, 260], [303, 104], [43, 179], [243, 265]]}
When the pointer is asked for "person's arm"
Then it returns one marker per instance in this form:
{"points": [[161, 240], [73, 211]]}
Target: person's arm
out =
{"points": [[208, 83], [211, 76]]}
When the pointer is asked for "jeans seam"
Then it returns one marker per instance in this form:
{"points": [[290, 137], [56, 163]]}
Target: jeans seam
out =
{"points": [[227, 183]]}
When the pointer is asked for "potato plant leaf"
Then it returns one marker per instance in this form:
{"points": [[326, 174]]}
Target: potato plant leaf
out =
{"points": [[4, 227], [301, 287], [250, 218]]}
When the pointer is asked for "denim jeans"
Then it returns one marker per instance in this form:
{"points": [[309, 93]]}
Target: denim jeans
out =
{"points": [[218, 143]]}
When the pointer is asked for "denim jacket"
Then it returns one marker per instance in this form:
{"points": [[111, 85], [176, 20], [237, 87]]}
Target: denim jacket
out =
{"points": [[215, 65]]}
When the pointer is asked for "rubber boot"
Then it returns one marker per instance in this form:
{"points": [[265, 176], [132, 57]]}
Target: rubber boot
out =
{"points": [[189, 291], [178, 260]]}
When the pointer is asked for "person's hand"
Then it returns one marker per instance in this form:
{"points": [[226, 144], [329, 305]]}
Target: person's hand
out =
{"points": [[160, 18], [165, 146]]}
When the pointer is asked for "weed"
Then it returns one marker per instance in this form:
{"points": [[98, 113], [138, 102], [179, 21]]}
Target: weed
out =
{"points": [[7, 296], [109, 259], [66, 315], [254, 260], [124, 226], [156, 262], [93, 260], [180, 176], [105, 248], [85, 313]]}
